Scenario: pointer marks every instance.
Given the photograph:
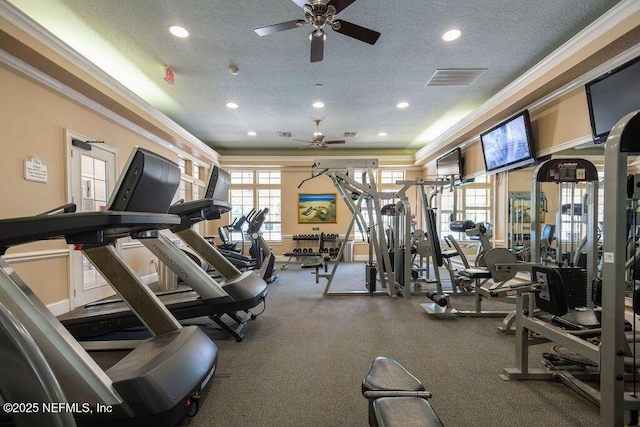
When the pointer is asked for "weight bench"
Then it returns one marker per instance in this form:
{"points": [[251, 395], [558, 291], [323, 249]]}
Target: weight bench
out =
{"points": [[317, 265], [396, 397]]}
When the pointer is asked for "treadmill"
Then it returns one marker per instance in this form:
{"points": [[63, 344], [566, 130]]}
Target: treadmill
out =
{"points": [[156, 383], [240, 291]]}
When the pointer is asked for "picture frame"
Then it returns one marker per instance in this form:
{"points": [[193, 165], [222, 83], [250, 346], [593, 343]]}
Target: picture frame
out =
{"points": [[317, 208]]}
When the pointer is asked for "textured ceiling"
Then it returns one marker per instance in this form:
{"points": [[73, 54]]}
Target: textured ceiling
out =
{"points": [[361, 83]]}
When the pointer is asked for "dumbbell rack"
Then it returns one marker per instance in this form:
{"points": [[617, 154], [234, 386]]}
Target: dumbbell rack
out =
{"points": [[309, 245]]}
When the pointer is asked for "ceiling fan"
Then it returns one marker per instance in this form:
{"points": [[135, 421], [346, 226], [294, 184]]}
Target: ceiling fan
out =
{"points": [[318, 139], [318, 14]]}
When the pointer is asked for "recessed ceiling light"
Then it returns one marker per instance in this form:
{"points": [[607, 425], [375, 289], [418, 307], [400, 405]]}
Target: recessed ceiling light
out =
{"points": [[318, 104], [402, 105], [232, 105], [382, 134], [179, 31], [451, 35], [251, 133]]}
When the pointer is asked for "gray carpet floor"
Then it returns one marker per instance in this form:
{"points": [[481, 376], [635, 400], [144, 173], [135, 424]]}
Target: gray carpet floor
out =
{"points": [[303, 360]]}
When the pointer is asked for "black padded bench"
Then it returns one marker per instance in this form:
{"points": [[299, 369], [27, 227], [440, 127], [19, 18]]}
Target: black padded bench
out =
{"points": [[317, 265], [476, 273], [396, 397]]}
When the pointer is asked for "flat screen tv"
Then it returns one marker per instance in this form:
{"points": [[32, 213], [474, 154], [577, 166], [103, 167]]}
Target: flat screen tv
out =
{"points": [[450, 164], [508, 145], [612, 96]]}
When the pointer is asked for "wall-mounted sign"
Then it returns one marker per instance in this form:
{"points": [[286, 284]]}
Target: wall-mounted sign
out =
{"points": [[169, 76], [35, 170]]}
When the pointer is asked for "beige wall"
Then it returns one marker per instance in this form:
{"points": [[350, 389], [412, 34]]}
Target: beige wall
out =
{"points": [[34, 120]]}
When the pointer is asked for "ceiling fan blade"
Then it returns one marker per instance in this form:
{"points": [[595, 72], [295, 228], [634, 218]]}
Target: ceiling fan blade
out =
{"points": [[302, 140], [320, 138], [335, 142], [301, 3], [356, 31], [340, 5], [276, 28], [317, 48]]}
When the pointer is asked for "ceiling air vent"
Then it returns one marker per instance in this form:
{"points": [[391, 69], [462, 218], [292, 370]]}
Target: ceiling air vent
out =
{"points": [[349, 134], [284, 134], [455, 76]]}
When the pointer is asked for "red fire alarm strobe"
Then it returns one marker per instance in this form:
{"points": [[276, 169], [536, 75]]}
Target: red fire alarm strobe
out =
{"points": [[169, 76]]}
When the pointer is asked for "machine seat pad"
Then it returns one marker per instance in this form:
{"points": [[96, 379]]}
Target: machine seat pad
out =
{"points": [[387, 374], [403, 411], [476, 273], [449, 253]]}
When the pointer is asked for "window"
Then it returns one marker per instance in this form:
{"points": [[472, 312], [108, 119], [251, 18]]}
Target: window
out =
{"points": [[265, 193], [186, 190], [191, 186], [357, 176], [270, 198], [473, 203], [390, 177], [241, 202], [269, 178], [241, 177]]}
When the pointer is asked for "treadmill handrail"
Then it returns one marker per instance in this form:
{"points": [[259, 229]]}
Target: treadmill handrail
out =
{"points": [[106, 227]]}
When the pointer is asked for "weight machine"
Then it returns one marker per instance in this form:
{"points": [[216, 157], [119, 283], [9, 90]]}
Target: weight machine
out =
{"points": [[613, 357], [358, 197], [417, 252]]}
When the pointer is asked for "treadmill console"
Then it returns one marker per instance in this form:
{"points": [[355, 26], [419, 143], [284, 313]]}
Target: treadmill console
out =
{"points": [[148, 184]]}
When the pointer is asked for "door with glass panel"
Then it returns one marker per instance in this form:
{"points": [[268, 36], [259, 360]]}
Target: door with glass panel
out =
{"points": [[92, 175]]}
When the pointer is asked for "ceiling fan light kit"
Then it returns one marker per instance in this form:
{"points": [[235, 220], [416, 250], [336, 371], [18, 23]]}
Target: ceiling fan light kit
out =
{"points": [[319, 15], [318, 139]]}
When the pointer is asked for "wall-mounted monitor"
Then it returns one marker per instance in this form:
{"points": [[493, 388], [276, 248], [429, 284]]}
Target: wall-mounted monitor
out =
{"points": [[451, 164], [612, 96], [508, 145]]}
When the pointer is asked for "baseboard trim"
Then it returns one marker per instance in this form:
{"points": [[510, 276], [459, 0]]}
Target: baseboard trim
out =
{"points": [[60, 307], [149, 278]]}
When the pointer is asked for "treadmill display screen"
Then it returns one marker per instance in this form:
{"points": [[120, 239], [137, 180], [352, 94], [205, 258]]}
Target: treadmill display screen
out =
{"points": [[148, 183], [218, 185]]}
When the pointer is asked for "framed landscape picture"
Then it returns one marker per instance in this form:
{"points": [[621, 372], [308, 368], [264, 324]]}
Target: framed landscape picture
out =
{"points": [[317, 208]]}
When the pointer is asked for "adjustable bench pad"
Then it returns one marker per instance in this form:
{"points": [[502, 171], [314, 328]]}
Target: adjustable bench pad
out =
{"points": [[403, 411], [387, 374]]}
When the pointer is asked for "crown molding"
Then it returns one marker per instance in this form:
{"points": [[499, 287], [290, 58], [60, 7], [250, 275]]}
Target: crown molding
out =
{"points": [[31, 28]]}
